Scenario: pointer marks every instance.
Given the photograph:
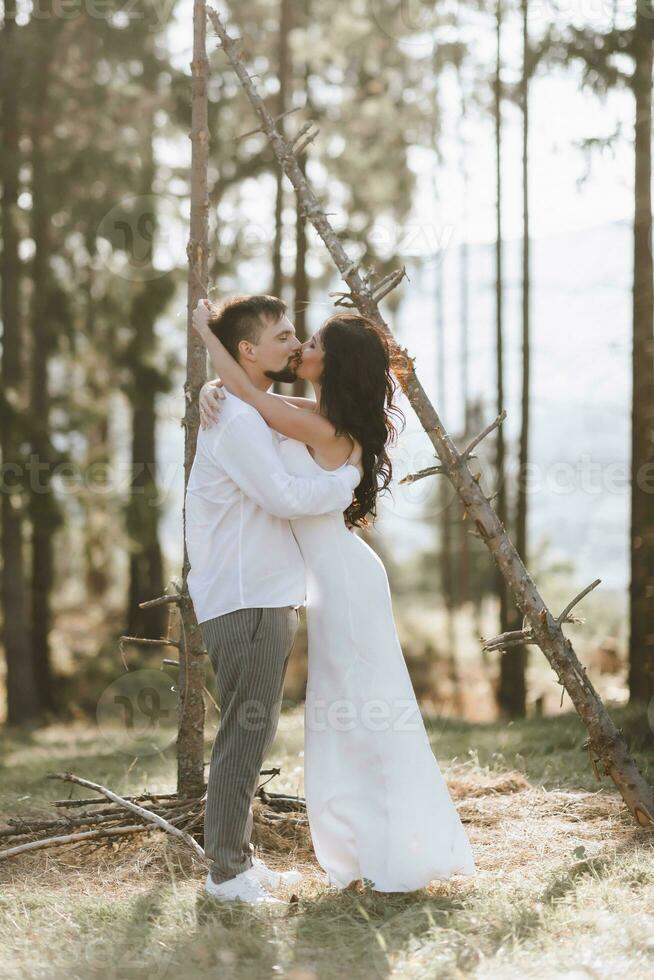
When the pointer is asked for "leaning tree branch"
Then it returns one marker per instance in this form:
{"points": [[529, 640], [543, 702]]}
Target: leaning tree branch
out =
{"points": [[606, 743]]}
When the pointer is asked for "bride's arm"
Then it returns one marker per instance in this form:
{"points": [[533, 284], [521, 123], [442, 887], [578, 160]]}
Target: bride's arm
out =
{"points": [[309, 403], [212, 394], [290, 420]]}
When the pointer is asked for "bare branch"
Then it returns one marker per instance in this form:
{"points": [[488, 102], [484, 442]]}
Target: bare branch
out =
{"points": [[298, 144], [146, 642], [388, 284], [512, 638], [163, 600], [344, 299], [421, 474], [253, 132], [482, 435], [563, 616], [300, 133], [301, 147]]}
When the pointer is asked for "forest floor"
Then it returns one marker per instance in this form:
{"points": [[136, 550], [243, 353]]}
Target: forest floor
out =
{"points": [[564, 884]]}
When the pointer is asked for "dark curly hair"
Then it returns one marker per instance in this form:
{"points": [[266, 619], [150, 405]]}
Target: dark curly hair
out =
{"points": [[357, 391]]}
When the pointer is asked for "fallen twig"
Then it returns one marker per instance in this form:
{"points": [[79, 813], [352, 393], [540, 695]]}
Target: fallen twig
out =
{"points": [[74, 838]]}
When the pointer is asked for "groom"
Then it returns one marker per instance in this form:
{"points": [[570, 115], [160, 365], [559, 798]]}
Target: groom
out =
{"points": [[247, 581]]}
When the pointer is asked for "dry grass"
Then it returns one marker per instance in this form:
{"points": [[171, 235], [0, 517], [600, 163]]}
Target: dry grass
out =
{"points": [[565, 883]]}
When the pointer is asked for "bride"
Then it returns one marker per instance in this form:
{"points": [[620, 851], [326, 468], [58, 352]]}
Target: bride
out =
{"points": [[379, 809]]}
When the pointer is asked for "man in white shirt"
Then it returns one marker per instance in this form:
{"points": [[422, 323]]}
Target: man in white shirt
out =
{"points": [[247, 581]]}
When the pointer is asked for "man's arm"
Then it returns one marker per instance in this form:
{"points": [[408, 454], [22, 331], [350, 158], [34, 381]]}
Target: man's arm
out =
{"points": [[246, 451]]}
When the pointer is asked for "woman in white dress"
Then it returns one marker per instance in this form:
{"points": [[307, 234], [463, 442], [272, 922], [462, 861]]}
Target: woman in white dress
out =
{"points": [[378, 807]]}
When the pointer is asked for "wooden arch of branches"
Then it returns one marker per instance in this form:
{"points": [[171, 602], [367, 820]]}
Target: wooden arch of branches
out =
{"points": [[606, 744]]}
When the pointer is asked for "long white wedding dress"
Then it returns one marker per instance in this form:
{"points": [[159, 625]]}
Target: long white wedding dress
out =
{"points": [[377, 803]]}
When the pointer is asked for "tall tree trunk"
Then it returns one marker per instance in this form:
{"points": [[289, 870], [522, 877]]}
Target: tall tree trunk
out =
{"points": [[521, 495], [97, 507], [97, 531], [190, 738], [444, 493], [44, 510], [22, 691], [448, 580], [513, 686], [143, 509], [641, 589], [285, 18], [511, 693], [301, 284], [464, 320], [300, 280]]}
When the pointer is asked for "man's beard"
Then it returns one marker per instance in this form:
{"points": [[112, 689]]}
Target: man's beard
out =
{"points": [[287, 374]]}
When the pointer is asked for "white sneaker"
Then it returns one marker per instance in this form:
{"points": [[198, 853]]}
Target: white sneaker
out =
{"points": [[245, 887], [273, 879]]}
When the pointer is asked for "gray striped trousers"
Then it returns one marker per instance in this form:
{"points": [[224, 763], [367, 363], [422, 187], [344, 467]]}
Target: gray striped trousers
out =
{"points": [[249, 651]]}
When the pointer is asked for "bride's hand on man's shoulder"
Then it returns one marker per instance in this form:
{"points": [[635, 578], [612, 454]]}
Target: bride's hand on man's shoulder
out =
{"points": [[211, 395], [202, 313]]}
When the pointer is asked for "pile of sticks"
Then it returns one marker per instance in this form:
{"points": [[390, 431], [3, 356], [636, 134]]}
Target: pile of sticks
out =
{"points": [[103, 820]]}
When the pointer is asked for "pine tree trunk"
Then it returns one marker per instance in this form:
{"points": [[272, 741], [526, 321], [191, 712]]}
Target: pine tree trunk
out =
{"points": [[514, 660], [143, 509], [641, 590], [448, 587], [44, 510], [145, 561], [22, 691], [448, 581], [300, 281], [521, 496], [464, 321], [285, 16], [97, 509], [511, 691], [190, 738]]}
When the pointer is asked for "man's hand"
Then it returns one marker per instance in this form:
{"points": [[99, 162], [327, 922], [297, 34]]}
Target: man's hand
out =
{"points": [[201, 316], [211, 395]]}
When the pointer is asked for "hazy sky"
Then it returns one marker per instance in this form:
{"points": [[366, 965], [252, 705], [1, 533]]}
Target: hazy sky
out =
{"points": [[562, 115]]}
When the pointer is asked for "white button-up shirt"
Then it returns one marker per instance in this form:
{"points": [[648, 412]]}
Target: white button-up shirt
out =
{"points": [[239, 500]]}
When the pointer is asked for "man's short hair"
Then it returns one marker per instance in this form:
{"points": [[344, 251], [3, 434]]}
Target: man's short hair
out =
{"points": [[244, 318]]}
